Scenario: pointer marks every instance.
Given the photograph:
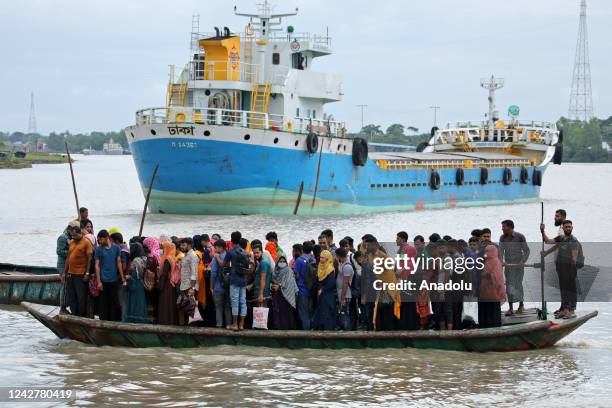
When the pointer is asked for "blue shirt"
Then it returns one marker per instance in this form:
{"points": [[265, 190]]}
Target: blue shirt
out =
{"points": [[108, 262], [232, 257], [263, 267], [301, 270], [215, 269]]}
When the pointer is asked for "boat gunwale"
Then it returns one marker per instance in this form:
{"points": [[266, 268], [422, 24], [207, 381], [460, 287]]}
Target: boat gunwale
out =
{"points": [[29, 277], [516, 329]]}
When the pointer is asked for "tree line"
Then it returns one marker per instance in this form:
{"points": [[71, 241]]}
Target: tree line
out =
{"points": [[76, 142], [582, 140]]}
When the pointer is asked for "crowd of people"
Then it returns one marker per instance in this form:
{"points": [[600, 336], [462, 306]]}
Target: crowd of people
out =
{"points": [[207, 280]]}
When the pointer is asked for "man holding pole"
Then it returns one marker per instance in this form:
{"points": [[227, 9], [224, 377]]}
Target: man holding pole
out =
{"points": [[515, 252]]}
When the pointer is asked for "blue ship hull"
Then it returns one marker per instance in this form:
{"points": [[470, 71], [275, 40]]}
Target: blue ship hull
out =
{"points": [[222, 177]]}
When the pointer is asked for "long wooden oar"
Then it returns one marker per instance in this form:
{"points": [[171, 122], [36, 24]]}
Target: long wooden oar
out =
{"points": [[543, 311], [76, 197], [144, 211], [299, 199]]}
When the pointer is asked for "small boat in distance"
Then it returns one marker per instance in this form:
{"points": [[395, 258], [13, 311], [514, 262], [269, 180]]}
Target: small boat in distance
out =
{"points": [[521, 336], [30, 283]]}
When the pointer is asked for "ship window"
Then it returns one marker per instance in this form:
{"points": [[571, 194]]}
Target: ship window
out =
{"points": [[247, 137], [297, 61], [153, 132], [207, 133], [379, 185], [297, 112], [296, 143], [275, 140], [275, 58], [314, 114]]}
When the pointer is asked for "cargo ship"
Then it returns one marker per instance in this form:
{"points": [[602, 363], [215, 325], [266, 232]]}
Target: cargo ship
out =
{"points": [[244, 131]]}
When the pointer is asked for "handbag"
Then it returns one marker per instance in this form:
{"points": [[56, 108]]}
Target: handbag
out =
{"points": [[186, 303], [94, 291]]}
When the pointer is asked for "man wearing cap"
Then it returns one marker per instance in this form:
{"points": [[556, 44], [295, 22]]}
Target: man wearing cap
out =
{"points": [[61, 249]]}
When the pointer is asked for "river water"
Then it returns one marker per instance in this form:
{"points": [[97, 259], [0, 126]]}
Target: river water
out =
{"points": [[37, 203]]}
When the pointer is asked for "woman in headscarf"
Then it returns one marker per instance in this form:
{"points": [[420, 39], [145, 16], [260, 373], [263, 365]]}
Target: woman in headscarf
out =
{"points": [[152, 252], [492, 291], [283, 292], [325, 314], [198, 248], [153, 244], [166, 306], [136, 302]]}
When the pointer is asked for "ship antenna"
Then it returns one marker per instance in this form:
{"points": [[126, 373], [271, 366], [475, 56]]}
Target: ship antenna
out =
{"points": [[265, 20], [492, 84]]}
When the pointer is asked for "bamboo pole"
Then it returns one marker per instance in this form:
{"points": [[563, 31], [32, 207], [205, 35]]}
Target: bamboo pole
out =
{"points": [[76, 197], [144, 211], [299, 199], [543, 311]]}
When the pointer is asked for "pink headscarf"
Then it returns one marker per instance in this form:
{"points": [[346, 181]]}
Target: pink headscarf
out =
{"points": [[492, 285], [153, 245]]}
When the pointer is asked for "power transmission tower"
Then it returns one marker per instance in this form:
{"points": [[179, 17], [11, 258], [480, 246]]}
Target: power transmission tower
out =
{"points": [[32, 120], [362, 111], [581, 97]]}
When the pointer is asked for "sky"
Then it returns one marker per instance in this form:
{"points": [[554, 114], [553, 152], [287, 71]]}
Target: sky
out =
{"points": [[92, 64]]}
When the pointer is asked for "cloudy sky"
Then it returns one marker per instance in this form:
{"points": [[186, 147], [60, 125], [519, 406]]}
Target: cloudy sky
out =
{"points": [[91, 64]]}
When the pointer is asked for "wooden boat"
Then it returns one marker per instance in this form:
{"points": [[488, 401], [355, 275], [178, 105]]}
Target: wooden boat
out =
{"points": [[30, 283], [36, 270], [521, 336]]}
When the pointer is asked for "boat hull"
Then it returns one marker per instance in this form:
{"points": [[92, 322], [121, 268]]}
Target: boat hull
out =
{"points": [[225, 174], [16, 287], [525, 336]]}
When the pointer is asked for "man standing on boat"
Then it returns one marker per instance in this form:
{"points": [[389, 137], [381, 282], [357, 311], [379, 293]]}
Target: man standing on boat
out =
{"points": [[61, 250], [189, 273], [566, 263], [76, 273], [515, 252], [108, 272]]}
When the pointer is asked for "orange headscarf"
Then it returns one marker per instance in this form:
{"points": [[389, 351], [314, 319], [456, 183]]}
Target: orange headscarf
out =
{"points": [[169, 255], [388, 276]]}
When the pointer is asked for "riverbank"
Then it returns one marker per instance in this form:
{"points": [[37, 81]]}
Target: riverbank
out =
{"points": [[32, 158]]}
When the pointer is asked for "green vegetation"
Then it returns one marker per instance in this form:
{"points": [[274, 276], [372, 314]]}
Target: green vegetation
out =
{"points": [[395, 134], [583, 140], [76, 142], [9, 161]]}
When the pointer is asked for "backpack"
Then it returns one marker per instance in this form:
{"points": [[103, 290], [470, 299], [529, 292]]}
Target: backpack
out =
{"points": [[243, 263], [150, 275], [206, 256], [311, 276], [356, 281]]}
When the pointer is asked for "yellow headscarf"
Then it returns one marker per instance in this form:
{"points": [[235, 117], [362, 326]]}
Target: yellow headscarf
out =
{"points": [[388, 276], [326, 265]]}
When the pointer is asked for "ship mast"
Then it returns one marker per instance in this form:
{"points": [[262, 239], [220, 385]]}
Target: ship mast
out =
{"points": [[492, 85], [264, 23]]}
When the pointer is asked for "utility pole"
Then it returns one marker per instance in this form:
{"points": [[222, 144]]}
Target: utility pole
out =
{"points": [[362, 111], [435, 110]]}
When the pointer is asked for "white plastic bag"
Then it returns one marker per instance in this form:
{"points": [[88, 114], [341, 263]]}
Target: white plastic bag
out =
{"points": [[197, 317], [260, 318]]}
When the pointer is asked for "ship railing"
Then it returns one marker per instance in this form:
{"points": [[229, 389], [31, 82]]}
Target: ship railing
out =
{"points": [[240, 118], [519, 133], [322, 39], [224, 70]]}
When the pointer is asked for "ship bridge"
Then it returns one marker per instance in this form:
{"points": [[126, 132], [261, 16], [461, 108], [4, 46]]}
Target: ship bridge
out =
{"points": [[265, 69]]}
